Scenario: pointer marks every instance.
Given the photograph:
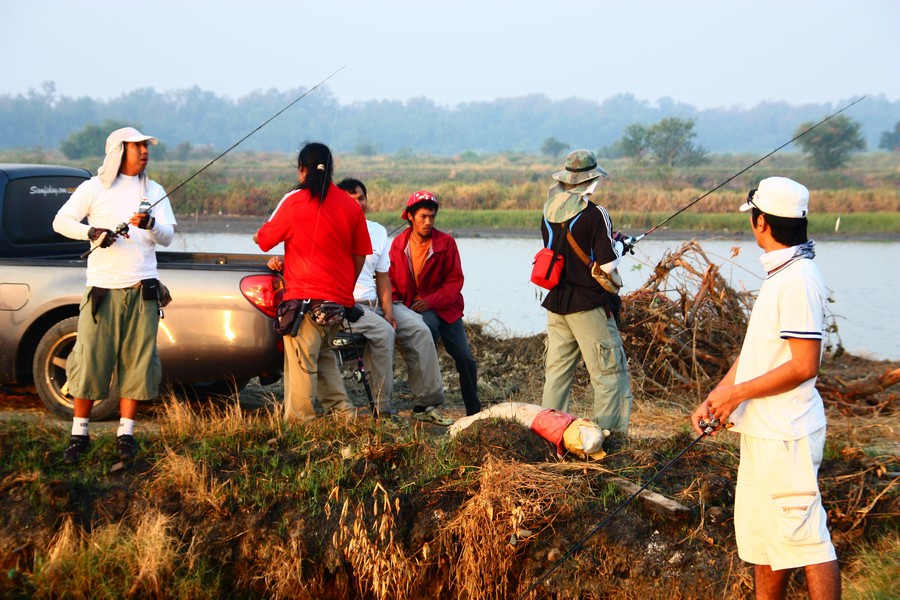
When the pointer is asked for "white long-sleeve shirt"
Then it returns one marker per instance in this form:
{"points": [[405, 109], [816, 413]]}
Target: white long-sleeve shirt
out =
{"points": [[128, 260]]}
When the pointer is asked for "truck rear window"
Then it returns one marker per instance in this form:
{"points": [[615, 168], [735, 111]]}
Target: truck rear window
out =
{"points": [[29, 206]]}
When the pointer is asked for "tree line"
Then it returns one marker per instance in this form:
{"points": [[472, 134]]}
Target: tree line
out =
{"points": [[194, 118]]}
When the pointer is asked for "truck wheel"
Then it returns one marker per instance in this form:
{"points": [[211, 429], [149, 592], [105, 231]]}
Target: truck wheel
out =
{"points": [[49, 372]]}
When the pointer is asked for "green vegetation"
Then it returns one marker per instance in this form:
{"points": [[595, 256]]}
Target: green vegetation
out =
{"points": [[668, 143], [42, 118], [890, 140], [553, 148], [878, 561], [507, 191], [635, 223], [90, 141], [830, 146]]}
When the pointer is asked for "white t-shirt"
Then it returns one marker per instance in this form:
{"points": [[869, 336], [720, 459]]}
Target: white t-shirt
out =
{"points": [[377, 262], [791, 304], [128, 260]]}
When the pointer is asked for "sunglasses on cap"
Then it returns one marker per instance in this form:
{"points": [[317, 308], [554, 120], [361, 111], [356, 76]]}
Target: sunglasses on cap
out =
{"points": [[750, 199]]}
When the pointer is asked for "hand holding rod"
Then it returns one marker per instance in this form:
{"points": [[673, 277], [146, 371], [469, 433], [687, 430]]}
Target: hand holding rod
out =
{"points": [[230, 148], [104, 238]]}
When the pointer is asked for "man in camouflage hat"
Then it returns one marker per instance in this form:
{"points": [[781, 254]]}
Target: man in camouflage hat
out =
{"points": [[581, 314]]}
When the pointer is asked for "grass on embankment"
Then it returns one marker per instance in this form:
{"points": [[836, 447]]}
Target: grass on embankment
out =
{"points": [[507, 190], [236, 503], [633, 223]]}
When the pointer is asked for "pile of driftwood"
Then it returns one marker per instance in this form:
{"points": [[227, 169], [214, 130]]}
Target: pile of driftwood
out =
{"points": [[683, 328], [862, 397]]}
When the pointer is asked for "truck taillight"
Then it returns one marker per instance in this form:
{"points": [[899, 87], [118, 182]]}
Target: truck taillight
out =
{"points": [[263, 291]]}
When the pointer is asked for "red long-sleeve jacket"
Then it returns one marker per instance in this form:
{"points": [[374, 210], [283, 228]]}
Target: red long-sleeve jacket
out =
{"points": [[441, 280]]}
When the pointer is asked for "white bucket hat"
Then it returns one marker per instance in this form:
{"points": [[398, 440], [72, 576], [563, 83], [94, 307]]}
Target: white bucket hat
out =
{"points": [[114, 147], [779, 196]]}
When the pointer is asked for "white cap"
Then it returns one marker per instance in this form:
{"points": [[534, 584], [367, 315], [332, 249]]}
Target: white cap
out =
{"points": [[110, 168], [127, 134], [781, 197]]}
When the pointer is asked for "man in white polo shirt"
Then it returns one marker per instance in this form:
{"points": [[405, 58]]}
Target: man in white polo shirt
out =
{"points": [[769, 395], [384, 323]]}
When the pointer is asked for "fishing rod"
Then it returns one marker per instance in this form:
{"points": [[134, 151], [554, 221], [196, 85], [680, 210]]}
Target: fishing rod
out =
{"points": [[360, 367], [631, 241], [122, 228], [708, 428]]}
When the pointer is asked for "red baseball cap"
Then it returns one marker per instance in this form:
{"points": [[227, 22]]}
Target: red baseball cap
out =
{"points": [[420, 196]]}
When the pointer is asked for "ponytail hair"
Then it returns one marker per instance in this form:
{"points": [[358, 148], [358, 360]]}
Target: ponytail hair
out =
{"points": [[316, 159]]}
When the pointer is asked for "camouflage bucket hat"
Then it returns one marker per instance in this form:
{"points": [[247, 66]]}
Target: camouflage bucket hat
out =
{"points": [[581, 166]]}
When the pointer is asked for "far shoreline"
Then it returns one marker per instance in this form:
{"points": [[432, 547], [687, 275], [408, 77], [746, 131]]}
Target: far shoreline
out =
{"points": [[249, 226]]}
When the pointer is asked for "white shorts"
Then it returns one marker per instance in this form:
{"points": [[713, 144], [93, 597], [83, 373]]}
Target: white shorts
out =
{"points": [[778, 515]]}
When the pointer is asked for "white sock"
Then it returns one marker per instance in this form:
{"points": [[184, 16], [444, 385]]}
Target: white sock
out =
{"points": [[126, 427], [80, 426]]}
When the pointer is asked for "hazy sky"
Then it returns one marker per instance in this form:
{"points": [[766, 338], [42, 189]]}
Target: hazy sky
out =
{"points": [[708, 53]]}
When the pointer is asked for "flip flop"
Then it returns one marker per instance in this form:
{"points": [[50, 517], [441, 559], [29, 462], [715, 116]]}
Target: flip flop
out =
{"points": [[430, 415]]}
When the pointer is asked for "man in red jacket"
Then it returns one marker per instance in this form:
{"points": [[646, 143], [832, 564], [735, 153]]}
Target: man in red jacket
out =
{"points": [[426, 276]]}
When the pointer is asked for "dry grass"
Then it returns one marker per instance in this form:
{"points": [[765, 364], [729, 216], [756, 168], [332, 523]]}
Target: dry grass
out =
{"points": [[112, 561], [191, 478], [179, 418], [282, 569], [369, 542], [512, 502]]}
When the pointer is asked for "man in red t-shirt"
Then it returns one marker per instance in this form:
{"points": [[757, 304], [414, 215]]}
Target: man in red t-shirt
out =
{"points": [[326, 242]]}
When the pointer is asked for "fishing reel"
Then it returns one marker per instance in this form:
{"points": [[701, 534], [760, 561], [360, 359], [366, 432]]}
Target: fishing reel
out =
{"points": [[627, 242], [121, 229], [107, 237], [712, 425]]}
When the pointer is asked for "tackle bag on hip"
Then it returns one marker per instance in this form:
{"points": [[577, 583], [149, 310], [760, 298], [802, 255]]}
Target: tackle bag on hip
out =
{"points": [[153, 289], [547, 269], [288, 316]]}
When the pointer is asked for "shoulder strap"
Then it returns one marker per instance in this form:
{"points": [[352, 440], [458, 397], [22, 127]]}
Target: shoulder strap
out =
{"points": [[577, 248], [555, 244]]}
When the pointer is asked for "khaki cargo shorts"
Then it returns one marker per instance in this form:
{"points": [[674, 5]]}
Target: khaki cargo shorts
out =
{"points": [[778, 515], [120, 339]]}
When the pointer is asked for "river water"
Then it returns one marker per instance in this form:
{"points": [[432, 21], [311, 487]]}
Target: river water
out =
{"points": [[863, 278]]}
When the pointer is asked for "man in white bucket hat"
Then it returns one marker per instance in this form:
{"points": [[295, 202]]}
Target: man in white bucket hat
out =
{"points": [[123, 293], [770, 396]]}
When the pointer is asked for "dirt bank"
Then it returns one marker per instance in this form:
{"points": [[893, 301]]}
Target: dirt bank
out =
{"points": [[481, 516]]}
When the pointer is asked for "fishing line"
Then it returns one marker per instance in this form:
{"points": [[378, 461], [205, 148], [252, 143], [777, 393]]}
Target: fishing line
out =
{"points": [[236, 144], [632, 241], [122, 228], [322, 192]]}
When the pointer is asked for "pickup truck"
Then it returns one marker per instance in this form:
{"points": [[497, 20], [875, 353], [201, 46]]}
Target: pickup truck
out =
{"points": [[216, 334]]}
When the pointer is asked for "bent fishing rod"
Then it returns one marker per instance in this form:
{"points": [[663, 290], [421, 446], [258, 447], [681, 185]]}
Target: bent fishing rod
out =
{"points": [[631, 241], [122, 228], [708, 427]]}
